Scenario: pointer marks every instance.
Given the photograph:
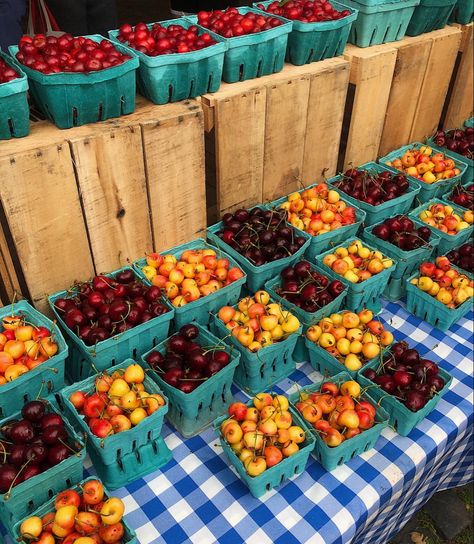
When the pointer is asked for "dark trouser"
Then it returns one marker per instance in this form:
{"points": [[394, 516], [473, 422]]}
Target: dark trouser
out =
{"points": [[11, 12], [79, 17]]}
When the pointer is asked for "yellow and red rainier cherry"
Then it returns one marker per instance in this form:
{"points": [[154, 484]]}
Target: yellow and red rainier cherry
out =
{"points": [[23, 346], [257, 322], [262, 434], [318, 210], [444, 283], [195, 274], [337, 413], [353, 339], [426, 164], [84, 516], [357, 263], [120, 401], [445, 218]]}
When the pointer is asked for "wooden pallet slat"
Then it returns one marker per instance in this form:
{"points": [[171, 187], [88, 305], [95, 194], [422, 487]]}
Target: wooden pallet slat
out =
{"points": [[41, 205], [460, 102], [372, 72], [444, 50], [111, 179], [324, 121], [174, 159]]}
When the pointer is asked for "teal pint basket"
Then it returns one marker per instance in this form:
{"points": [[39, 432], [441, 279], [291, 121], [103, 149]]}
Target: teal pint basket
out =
{"points": [[129, 536], [84, 360], [406, 261], [311, 42], [200, 310], [469, 122], [433, 311], [430, 15], [427, 191], [27, 496], [191, 413], [322, 242], [447, 196], [401, 417], [128, 468], [253, 55], [447, 242], [325, 363], [260, 371], [116, 445], [331, 458], [46, 378], [380, 21], [274, 476], [257, 275], [375, 214], [463, 12], [469, 173], [306, 318], [75, 99], [14, 109], [178, 76], [367, 293]]}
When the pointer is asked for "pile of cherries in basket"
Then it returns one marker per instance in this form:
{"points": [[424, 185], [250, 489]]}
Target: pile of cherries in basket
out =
{"points": [[230, 23], [306, 11], [261, 236]]}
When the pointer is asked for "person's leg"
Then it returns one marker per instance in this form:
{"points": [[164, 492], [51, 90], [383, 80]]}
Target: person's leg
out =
{"points": [[11, 12], [71, 15], [101, 16]]}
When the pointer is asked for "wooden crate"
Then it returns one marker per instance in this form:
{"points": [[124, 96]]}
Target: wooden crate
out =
{"points": [[266, 135], [397, 93], [459, 104], [90, 199]]}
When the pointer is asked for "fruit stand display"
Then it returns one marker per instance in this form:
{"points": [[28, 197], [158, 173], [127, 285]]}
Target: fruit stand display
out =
{"points": [[269, 329]]}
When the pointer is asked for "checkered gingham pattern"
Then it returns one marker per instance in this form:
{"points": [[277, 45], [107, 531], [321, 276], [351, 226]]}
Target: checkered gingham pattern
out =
{"points": [[198, 497]]}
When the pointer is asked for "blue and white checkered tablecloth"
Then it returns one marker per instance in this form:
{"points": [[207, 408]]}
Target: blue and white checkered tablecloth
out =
{"points": [[198, 497]]}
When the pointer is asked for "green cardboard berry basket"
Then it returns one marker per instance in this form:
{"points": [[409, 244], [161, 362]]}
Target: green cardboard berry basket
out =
{"points": [[447, 242], [200, 310], [129, 467], [463, 12], [191, 413], [311, 42], [367, 293], [406, 261], [301, 354], [274, 476], [430, 15], [331, 458], [375, 214], [380, 21], [469, 122], [325, 363], [257, 275], [427, 191], [431, 310], [75, 99], [88, 360], [27, 496], [129, 536], [261, 370], [469, 173], [322, 242], [46, 378], [253, 55], [178, 76], [14, 109], [447, 196], [110, 448], [401, 417]]}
